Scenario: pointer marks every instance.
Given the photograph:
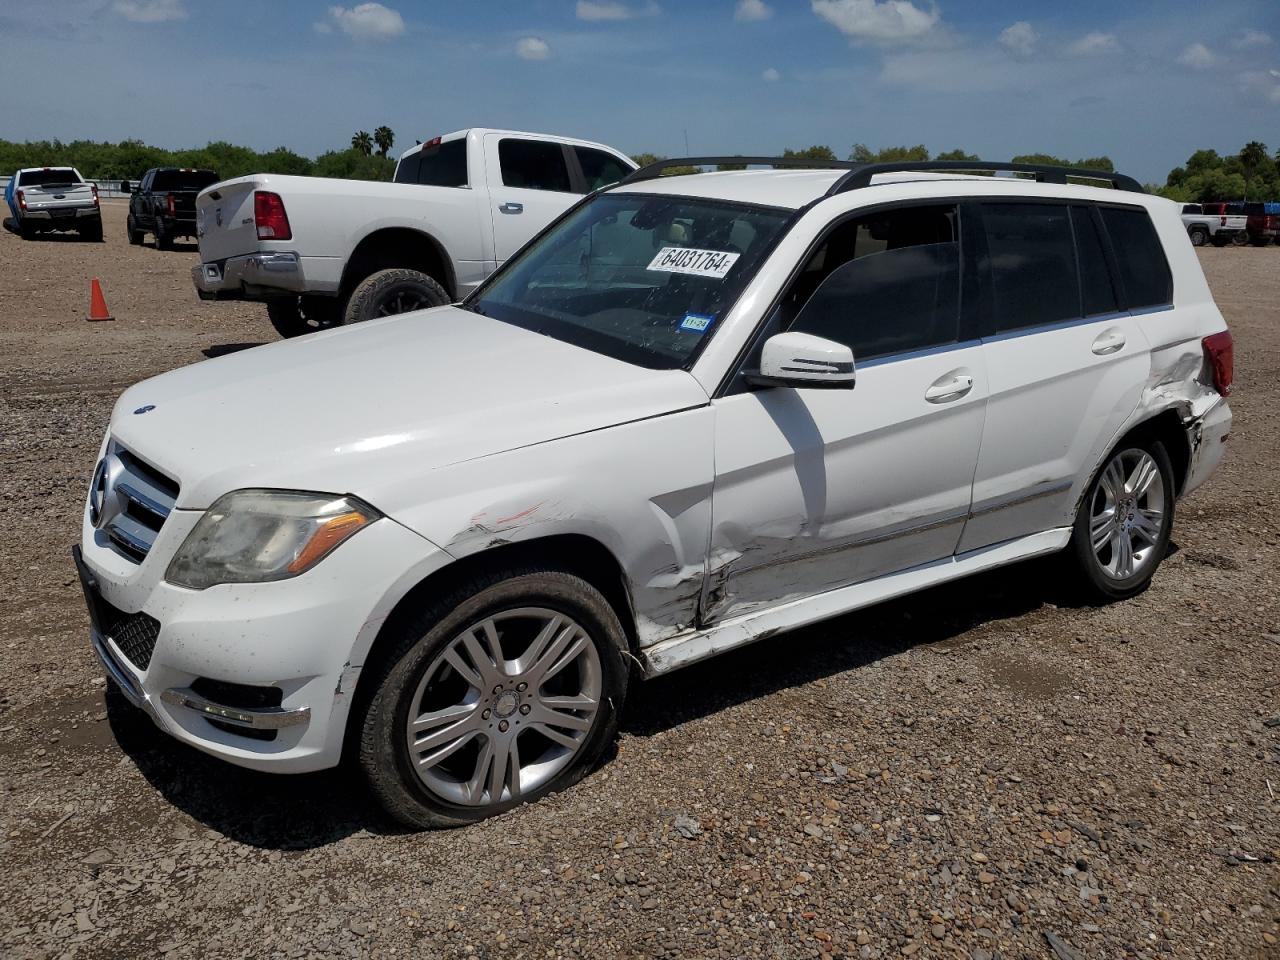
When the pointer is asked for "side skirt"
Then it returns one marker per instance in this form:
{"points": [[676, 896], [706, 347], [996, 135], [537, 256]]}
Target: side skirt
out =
{"points": [[691, 647]]}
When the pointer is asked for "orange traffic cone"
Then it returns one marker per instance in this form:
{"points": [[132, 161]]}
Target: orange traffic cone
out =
{"points": [[98, 303]]}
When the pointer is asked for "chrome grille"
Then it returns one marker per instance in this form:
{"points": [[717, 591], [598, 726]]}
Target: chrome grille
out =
{"points": [[141, 499]]}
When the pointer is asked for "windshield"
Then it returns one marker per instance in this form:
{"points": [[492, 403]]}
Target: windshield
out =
{"points": [[44, 178], [638, 277]]}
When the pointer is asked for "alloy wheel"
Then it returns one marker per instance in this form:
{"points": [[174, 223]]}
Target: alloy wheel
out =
{"points": [[1127, 515], [504, 708]]}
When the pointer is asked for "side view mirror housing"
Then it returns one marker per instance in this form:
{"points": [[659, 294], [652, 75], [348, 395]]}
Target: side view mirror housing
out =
{"points": [[802, 360], [126, 187]]}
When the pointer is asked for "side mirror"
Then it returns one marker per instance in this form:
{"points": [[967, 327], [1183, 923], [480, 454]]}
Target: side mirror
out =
{"points": [[125, 187], [803, 360]]}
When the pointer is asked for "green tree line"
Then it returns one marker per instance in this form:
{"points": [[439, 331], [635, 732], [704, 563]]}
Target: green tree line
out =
{"points": [[130, 159]]}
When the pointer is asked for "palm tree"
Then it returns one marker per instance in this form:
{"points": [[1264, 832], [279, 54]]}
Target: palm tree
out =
{"points": [[362, 142], [384, 137]]}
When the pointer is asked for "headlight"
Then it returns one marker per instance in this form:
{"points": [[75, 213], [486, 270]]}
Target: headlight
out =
{"points": [[253, 536]]}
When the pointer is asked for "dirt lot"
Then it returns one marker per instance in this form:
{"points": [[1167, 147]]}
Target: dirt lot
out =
{"points": [[970, 773]]}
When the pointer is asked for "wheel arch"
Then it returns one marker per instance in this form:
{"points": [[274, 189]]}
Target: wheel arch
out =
{"points": [[1168, 427], [579, 554], [388, 247]]}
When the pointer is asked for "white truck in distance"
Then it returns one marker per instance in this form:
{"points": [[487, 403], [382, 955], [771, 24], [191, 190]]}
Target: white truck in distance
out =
{"points": [[1216, 228], [322, 252]]}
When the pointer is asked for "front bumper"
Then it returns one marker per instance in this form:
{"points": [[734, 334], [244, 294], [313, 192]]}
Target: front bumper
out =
{"points": [[303, 640], [257, 276]]}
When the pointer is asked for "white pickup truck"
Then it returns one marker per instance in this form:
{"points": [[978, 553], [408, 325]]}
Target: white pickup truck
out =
{"points": [[1205, 226], [323, 252]]}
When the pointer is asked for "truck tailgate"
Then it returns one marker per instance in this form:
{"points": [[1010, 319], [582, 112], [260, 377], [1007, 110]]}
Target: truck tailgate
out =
{"points": [[224, 219], [55, 195]]}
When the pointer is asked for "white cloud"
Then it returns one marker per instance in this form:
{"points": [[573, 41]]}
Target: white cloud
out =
{"points": [[771, 75], [1093, 44], [614, 10], [1020, 37], [1262, 83], [532, 48], [888, 21], [150, 11], [1250, 39], [1197, 57], [321, 26], [367, 21], [752, 10]]}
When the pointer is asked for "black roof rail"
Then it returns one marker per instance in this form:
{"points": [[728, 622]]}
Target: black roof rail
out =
{"points": [[860, 174], [651, 171], [1044, 173]]}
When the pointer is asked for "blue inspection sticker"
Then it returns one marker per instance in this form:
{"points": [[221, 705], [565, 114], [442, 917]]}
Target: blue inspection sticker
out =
{"points": [[697, 322]]}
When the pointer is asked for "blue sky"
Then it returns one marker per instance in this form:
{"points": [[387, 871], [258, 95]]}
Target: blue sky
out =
{"points": [[1145, 82]]}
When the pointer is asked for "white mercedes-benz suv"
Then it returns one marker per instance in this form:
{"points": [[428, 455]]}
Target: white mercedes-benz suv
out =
{"points": [[694, 411]]}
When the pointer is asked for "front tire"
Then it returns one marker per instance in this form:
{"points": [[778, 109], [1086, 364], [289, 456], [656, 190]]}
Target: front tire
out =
{"points": [[393, 291], [505, 691], [1124, 522], [296, 316]]}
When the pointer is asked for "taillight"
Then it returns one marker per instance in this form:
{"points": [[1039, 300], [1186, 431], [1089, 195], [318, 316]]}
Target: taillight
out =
{"points": [[1219, 354], [93, 187], [22, 200], [268, 212], [172, 205]]}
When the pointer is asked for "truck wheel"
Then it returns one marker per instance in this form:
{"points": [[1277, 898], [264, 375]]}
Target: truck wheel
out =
{"points": [[295, 316], [393, 291], [1199, 236], [131, 228], [91, 231], [27, 231], [1261, 241], [495, 694], [163, 240], [1240, 239]]}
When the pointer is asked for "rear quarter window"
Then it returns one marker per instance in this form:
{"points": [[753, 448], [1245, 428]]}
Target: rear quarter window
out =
{"points": [[444, 165], [1144, 271]]}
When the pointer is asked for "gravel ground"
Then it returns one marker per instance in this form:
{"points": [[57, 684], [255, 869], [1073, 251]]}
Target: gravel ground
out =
{"points": [[974, 772]]}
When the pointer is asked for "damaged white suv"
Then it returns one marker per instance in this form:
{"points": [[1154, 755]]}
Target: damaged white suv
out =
{"points": [[695, 411]]}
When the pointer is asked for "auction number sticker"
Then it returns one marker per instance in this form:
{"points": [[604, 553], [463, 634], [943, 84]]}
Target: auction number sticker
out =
{"points": [[699, 263]]}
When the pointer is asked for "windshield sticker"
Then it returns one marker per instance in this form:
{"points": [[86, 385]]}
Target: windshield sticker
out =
{"points": [[697, 322], [699, 263]]}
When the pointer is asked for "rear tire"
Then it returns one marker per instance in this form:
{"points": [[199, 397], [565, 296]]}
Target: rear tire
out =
{"points": [[296, 316], [1240, 239], [393, 291], [26, 230], [491, 749], [131, 230], [163, 240], [1199, 236], [1124, 522], [91, 231]]}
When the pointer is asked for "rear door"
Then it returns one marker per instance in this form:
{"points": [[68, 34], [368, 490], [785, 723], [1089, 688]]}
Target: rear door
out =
{"points": [[1067, 363], [529, 186]]}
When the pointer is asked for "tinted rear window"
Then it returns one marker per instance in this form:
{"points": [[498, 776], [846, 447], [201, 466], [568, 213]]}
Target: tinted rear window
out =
{"points": [[40, 178], [1033, 264], [444, 165], [183, 179], [1096, 289], [1144, 271]]}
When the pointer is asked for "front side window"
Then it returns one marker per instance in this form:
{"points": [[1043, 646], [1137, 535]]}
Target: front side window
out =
{"points": [[643, 278], [885, 283], [599, 169], [533, 165], [1144, 271], [1033, 264]]}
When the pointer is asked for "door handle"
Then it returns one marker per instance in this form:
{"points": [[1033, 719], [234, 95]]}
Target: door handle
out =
{"points": [[1109, 341], [511, 207], [949, 388]]}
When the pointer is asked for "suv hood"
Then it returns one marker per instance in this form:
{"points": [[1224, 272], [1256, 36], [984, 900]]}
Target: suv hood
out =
{"points": [[370, 410]]}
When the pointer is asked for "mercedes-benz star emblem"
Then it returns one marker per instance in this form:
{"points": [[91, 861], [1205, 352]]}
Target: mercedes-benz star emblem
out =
{"points": [[104, 502]]}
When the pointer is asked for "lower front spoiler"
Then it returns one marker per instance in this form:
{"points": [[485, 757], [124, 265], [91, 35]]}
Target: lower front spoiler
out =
{"points": [[253, 718]]}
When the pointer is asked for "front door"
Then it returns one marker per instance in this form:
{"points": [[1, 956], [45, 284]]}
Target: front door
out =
{"points": [[531, 188], [817, 488]]}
